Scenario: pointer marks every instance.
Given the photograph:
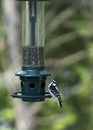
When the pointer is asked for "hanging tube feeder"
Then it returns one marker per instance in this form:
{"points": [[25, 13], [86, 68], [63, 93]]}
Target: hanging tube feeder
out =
{"points": [[32, 76]]}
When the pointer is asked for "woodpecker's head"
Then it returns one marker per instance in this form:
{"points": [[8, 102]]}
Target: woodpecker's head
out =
{"points": [[53, 82]]}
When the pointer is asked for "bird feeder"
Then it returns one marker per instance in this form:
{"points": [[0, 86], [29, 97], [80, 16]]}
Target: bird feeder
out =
{"points": [[32, 76]]}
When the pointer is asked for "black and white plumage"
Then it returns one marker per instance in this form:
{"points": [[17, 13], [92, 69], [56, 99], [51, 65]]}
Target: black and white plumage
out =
{"points": [[54, 92]]}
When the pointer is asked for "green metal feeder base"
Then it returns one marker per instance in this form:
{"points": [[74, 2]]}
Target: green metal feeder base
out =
{"points": [[32, 84], [31, 98]]}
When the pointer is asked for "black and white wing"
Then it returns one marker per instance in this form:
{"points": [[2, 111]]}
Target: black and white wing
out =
{"points": [[55, 93]]}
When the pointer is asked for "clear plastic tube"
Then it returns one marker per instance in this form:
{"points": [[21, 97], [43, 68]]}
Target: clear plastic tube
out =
{"points": [[33, 33]]}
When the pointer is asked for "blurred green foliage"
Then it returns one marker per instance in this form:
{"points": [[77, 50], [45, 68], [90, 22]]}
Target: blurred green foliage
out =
{"points": [[7, 114], [74, 80]]}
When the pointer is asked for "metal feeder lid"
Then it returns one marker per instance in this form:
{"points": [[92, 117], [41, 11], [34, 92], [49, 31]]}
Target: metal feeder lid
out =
{"points": [[32, 73]]}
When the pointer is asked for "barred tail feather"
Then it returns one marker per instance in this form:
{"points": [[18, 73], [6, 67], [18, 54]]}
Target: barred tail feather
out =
{"points": [[59, 100]]}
